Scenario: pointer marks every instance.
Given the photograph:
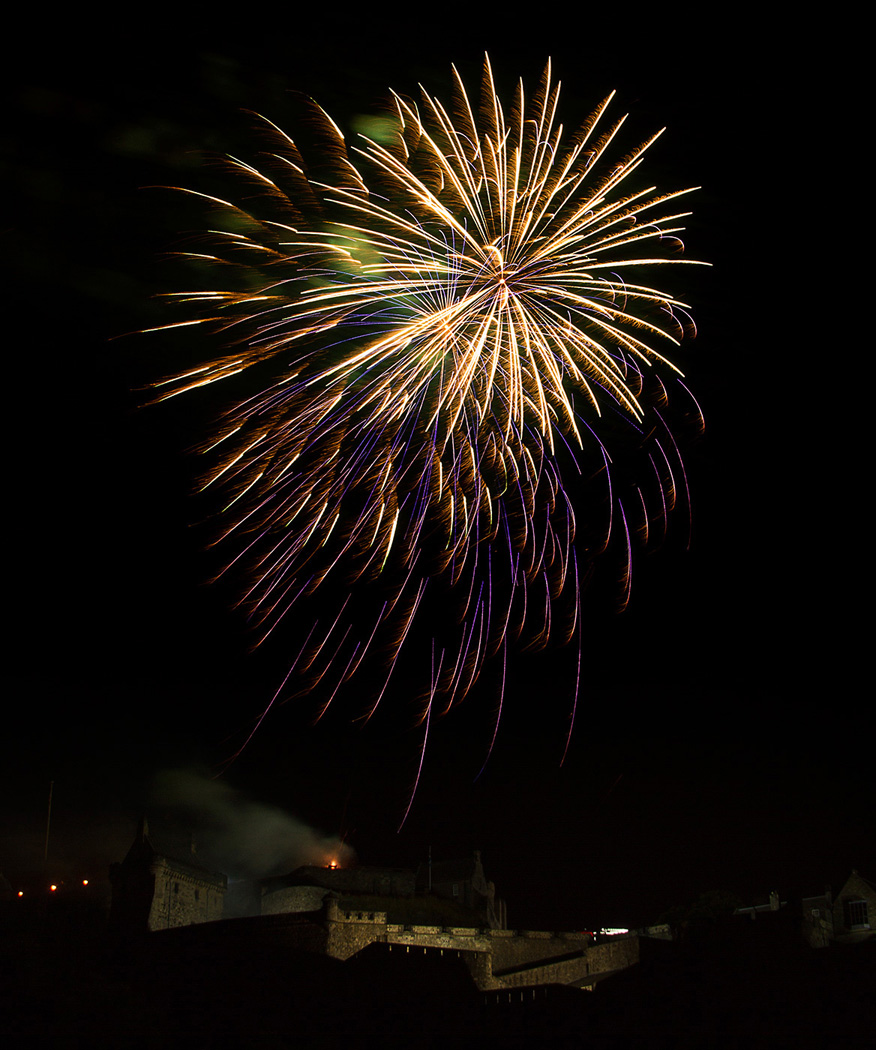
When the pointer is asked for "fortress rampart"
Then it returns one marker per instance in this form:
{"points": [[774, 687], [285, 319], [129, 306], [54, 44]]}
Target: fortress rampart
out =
{"points": [[496, 958]]}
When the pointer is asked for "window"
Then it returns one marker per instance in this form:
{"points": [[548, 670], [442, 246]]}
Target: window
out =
{"points": [[855, 913]]}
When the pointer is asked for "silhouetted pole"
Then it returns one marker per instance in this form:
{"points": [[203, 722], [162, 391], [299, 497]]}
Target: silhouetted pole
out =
{"points": [[48, 825]]}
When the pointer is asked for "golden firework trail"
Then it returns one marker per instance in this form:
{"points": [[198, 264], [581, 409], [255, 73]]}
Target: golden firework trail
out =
{"points": [[458, 329]]}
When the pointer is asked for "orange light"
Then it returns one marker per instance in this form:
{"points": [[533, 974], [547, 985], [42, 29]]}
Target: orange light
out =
{"points": [[85, 882], [53, 887], [333, 864], [21, 893]]}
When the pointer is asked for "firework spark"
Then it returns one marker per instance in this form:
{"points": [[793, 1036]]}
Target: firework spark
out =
{"points": [[460, 338]]}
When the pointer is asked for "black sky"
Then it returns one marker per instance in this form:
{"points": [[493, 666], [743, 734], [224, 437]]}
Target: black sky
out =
{"points": [[719, 733]]}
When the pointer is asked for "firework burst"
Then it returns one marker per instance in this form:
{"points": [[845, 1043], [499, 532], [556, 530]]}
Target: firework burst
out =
{"points": [[460, 338]]}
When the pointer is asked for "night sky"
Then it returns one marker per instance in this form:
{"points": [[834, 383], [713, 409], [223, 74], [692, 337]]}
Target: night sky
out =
{"points": [[722, 731]]}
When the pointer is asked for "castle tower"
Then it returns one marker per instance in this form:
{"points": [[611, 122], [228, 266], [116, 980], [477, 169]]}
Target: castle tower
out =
{"points": [[161, 884]]}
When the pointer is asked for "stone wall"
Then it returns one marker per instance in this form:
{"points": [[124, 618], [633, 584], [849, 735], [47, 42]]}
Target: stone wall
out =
{"points": [[348, 932], [537, 958], [573, 970], [615, 954], [495, 958], [293, 899], [511, 949], [362, 881], [457, 938], [182, 898]]}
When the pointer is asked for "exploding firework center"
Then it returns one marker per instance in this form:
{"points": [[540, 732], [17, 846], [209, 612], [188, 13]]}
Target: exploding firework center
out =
{"points": [[496, 280], [500, 270]]}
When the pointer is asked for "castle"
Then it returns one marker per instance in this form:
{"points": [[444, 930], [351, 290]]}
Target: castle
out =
{"points": [[448, 908]]}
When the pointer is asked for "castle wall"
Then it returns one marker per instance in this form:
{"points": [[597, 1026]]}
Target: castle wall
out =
{"points": [[458, 938], [495, 958], [182, 898], [512, 949], [582, 969], [348, 932], [360, 881], [615, 954], [293, 899]]}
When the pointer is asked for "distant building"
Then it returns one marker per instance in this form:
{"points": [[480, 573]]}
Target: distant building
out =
{"points": [[825, 919], [854, 910]]}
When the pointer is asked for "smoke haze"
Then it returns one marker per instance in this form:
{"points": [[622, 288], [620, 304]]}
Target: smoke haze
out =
{"points": [[243, 838]]}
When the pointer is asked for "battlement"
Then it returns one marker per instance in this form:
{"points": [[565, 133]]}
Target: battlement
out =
{"points": [[345, 915]]}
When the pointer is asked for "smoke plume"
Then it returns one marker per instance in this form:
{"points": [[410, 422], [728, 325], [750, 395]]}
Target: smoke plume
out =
{"points": [[243, 838]]}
